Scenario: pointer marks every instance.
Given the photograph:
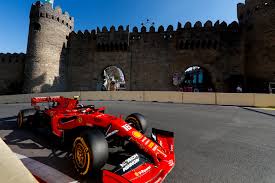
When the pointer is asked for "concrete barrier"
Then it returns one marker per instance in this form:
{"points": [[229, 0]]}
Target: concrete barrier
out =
{"points": [[94, 95], [264, 100], [160, 96], [199, 98], [238, 99], [11, 168], [127, 95]]}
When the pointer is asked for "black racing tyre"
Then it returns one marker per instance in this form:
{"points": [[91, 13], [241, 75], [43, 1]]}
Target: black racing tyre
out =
{"points": [[137, 121], [23, 117], [90, 152]]}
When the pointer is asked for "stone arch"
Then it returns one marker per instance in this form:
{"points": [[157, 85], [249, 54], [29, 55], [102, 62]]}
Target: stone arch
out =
{"points": [[196, 78], [112, 79]]}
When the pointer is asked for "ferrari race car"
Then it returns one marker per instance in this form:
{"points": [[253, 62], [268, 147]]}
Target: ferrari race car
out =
{"points": [[92, 132]]}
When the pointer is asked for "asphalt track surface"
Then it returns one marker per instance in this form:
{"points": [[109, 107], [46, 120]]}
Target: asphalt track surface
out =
{"points": [[213, 143]]}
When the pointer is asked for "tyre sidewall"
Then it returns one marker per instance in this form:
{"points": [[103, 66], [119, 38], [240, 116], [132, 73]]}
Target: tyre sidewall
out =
{"points": [[97, 151], [19, 120], [23, 117], [139, 120]]}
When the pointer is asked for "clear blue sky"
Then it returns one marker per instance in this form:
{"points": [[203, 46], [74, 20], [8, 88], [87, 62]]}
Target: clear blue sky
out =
{"points": [[89, 14]]}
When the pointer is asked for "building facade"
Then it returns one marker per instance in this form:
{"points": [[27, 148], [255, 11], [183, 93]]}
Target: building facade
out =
{"points": [[61, 59]]}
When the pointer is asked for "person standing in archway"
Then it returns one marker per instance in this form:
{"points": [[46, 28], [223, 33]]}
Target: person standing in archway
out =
{"points": [[239, 89], [210, 89], [113, 86]]}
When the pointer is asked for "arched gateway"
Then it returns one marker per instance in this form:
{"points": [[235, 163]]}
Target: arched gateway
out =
{"points": [[112, 79], [194, 79]]}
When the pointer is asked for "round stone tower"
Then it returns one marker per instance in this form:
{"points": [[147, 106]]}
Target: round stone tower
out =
{"points": [[257, 21], [45, 63]]}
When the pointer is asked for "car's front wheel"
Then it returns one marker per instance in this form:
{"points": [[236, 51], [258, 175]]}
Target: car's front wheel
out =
{"points": [[90, 152], [137, 121]]}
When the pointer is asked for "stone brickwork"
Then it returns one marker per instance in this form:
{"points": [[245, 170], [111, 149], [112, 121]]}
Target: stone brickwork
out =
{"points": [[149, 58], [48, 32], [257, 19], [60, 59], [11, 72]]}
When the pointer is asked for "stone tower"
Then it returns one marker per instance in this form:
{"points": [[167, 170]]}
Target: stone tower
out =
{"points": [[45, 62], [257, 21]]}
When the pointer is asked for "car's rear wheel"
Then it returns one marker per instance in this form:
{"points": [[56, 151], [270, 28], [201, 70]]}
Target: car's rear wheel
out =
{"points": [[23, 117], [90, 152], [137, 121]]}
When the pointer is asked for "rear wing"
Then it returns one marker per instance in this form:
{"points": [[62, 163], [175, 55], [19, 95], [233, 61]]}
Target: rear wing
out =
{"points": [[62, 103], [36, 100]]}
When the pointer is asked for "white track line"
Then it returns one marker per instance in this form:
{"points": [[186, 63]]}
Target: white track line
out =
{"points": [[44, 172]]}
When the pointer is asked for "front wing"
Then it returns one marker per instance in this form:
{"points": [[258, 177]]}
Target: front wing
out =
{"points": [[138, 168]]}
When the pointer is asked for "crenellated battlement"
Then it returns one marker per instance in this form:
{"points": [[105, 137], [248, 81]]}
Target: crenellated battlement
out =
{"points": [[198, 26], [207, 26], [119, 39], [39, 10], [113, 29], [12, 58], [250, 7]]}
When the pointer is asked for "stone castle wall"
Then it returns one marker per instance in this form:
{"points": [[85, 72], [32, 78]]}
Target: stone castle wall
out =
{"points": [[257, 19], [11, 72], [59, 59], [150, 58]]}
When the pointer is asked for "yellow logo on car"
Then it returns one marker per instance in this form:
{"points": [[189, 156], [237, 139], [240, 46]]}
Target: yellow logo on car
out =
{"points": [[79, 120], [151, 145], [137, 134]]}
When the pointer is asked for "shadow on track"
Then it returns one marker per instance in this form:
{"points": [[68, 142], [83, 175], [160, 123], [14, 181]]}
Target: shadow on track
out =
{"points": [[8, 123], [261, 112], [51, 151]]}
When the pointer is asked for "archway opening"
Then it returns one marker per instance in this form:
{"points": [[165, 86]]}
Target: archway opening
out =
{"points": [[194, 79], [113, 79]]}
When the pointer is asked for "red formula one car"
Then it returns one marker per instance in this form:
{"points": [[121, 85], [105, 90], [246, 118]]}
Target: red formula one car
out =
{"points": [[93, 132]]}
